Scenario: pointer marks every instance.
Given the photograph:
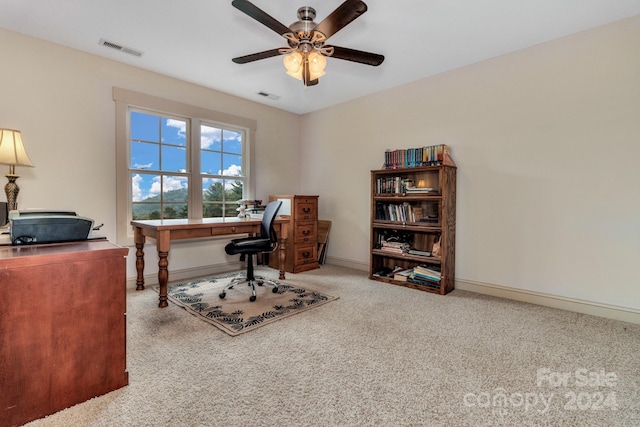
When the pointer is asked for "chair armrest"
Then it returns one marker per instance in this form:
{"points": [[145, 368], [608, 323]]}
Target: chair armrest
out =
{"points": [[251, 241]]}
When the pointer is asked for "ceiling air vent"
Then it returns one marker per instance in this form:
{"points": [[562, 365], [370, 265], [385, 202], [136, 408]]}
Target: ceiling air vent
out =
{"points": [[116, 46], [269, 95]]}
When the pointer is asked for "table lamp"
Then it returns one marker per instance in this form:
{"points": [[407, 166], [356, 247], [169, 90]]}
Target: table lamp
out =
{"points": [[12, 153]]}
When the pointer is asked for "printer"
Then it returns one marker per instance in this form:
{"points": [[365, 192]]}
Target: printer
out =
{"points": [[35, 227]]}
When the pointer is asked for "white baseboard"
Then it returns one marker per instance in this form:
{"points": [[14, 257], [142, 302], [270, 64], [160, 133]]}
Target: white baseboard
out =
{"points": [[608, 311], [342, 262]]}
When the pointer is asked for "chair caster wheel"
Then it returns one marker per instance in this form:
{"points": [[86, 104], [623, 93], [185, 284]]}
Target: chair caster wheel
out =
{"points": [[252, 298], [260, 283], [222, 295], [275, 290]]}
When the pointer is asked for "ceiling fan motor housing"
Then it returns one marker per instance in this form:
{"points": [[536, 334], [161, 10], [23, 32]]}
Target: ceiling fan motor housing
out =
{"points": [[305, 25]]}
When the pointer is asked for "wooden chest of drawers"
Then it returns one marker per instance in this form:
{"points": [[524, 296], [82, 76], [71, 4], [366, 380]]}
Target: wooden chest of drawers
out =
{"points": [[302, 245], [62, 326]]}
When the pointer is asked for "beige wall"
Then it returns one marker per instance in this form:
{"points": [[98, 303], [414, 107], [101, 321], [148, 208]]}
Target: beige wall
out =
{"points": [[547, 142], [61, 100]]}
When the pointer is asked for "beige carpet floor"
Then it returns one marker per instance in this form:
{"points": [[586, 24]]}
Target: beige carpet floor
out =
{"points": [[381, 355]]}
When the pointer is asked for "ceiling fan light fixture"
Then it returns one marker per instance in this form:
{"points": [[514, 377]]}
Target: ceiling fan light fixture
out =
{"points": [[317, 62], [305, 56], [293, 64]]}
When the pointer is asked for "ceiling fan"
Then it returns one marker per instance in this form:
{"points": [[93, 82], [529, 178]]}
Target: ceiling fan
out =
{"points": [[305, 56]]}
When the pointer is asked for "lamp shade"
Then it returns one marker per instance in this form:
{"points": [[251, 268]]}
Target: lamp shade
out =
{"points": [[12, 151]]}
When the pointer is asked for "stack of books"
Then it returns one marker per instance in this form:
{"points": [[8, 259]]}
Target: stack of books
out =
{"points": [[402, 275], [424, 273], [395, 247]]}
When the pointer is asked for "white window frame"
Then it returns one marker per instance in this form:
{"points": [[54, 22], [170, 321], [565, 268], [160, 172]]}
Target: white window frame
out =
{"points": [[127, 100]]}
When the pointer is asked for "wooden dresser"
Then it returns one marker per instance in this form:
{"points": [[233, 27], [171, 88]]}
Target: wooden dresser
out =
{"points": [[302, 246], [62, 326]]}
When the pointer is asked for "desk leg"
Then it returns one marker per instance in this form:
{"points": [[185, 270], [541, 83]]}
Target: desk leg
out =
{"points": [[163, 277], [282, 246], [139, 241], [282, 255], [163, 239]]}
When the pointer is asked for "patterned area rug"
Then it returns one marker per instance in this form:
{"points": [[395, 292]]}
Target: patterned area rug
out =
{"points": [[235, 314]]}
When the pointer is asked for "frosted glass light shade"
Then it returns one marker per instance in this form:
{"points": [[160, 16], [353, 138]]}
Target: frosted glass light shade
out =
{"points": [[293, 64], [317, 62]]}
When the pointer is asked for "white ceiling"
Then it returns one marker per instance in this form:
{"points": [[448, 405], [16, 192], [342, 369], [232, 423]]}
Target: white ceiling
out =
{"points": [[194, 40]]}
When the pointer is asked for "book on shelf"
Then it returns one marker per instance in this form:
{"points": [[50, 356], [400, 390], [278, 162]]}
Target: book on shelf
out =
{"points": [[393, 250], [401, 185], [426, 270], [394, 244], [395, 247], [431, 284], [401, 212], [420, 190], [388, 273], [433, 155], [403, 275], [393, 185], [419, 252], [424, 273]]}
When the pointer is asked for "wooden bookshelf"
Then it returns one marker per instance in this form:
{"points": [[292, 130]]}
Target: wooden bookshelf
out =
{"points": [[417, 208]]}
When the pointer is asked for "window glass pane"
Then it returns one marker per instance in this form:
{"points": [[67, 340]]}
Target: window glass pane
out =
{"points": [[174, 132], [232, 165], [173, 211], [232, 142], [174, 159], [231, 210], [210, 162], [212, 190], [145, 187], [146, 211], [144, 156], [145, 127], [211, 210], [210, 138], [175, 189], [233, 190]]}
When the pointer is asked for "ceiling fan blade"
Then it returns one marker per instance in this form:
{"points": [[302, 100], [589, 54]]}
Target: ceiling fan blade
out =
{"points": [[260, 16], [256, 56], [347, 54], [341, 17]]}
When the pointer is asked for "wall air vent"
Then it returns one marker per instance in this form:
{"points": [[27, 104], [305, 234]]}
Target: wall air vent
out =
{"points": [[116, 46], [269, 95]]}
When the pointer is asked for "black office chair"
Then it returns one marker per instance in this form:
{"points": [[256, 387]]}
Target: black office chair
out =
{"points": [[267, 241]]}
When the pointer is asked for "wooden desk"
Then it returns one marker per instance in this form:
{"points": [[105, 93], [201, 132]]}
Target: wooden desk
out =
{"points": [[166, 230]]}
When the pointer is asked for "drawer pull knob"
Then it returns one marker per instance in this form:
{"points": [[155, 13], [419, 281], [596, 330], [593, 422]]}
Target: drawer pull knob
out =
{"points": [[306, 254], [306, 210], [306, 232]]}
